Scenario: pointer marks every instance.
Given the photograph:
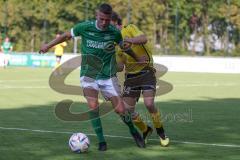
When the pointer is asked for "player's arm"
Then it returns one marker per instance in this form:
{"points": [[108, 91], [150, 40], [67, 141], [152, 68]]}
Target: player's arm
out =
{"points": [[64, 44], [136, 36], [138, 40], [121, 60], [62, 38], [120, 67], [126, 47], [11, 48]]}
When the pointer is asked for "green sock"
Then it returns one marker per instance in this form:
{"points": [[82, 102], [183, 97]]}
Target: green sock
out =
{"points": [[127, 119], [96, 124]]}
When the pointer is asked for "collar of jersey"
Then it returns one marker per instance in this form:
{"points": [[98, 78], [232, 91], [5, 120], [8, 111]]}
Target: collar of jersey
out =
{"points": [[97, 26]]}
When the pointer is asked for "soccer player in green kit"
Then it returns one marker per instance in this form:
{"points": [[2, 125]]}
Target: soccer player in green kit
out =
{"points": [[6, 48], [99, 67]]}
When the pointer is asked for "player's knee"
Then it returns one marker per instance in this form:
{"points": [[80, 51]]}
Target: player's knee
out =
{"points": [[134, 115], [93, 105], [120, 109], [149, 104]]}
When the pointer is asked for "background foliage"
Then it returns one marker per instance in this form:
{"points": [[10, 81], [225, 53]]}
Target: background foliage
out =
{"points": [[168, 23]]}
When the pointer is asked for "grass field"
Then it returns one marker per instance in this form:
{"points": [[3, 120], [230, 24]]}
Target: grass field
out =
{"points": [[201, 116]]}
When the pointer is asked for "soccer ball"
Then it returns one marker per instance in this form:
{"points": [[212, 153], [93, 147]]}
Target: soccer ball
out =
{"points": [[79, 143]]}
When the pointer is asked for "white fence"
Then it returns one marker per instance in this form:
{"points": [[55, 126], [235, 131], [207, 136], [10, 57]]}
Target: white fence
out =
{"points": [[199, 64], [2, 57], [186, 64], [195, 64]]}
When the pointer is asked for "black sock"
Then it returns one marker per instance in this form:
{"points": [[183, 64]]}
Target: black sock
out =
{"points": [[160, 132]]}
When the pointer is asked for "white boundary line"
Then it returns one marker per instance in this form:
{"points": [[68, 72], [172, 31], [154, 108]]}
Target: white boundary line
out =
{"points": [[23, 80], [23, 87], [5, 87], [113, 136]]}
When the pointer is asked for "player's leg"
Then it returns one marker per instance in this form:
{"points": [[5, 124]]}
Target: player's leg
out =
{"points": [[127, 119], [130, 103], [90, 90], [92, 100], [5, 60], [58, 65], [131, 94], [149, 96], [111, 91], [58, 60]]}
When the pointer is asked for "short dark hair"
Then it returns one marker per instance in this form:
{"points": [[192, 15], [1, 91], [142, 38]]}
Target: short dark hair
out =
{"points": [[119, 21], [116, 18], [59, 32], [105, 8]]}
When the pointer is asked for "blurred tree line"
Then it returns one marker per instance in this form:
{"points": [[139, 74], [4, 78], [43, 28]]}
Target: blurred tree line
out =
{"points": [[173, 26]]}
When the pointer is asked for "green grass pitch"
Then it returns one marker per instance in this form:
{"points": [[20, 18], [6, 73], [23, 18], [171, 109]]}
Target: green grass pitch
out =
{"points": [[201, 117]]}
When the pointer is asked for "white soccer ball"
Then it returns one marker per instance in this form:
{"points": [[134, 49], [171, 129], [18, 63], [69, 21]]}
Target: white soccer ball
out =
{"points": [[79, 143]]}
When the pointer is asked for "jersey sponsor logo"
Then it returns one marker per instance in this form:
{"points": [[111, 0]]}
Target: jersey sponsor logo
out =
{"points": [[95, 44], [107, 46]]}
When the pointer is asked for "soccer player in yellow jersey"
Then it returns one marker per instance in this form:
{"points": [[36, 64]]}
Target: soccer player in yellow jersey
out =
{"points": [[139, 78], [58, 51]]}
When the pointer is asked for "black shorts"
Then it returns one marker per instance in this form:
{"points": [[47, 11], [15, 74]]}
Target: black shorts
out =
{"points": [[59, 57], [136, 83]]}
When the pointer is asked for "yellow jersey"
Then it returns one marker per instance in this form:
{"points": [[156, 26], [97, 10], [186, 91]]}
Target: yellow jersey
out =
{"points": [[58, 49], [131, 65]]}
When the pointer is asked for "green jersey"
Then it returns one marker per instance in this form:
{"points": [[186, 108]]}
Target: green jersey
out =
{"points": [[98, 49], [6, 47]]}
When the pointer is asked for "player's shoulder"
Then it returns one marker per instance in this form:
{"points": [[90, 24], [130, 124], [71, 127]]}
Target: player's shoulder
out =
{"points": [[113, 28], [129, 26], [131, 29]]}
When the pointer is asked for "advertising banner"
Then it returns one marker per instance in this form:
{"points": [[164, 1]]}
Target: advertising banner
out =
{"points": [[31, 60]]}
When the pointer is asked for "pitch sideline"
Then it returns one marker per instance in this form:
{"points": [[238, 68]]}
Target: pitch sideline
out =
{"points": [[123, 137]]}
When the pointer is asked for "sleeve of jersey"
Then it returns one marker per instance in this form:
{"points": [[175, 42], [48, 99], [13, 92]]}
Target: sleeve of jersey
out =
{"points": [[118, 38], [64, 44], [120, 57], [77, 30], [133, 30]]}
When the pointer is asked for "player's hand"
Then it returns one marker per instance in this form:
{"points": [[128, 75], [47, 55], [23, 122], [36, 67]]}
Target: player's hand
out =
{"points": [[142, 60], [43, 49], [128, 40], [125, 45]]}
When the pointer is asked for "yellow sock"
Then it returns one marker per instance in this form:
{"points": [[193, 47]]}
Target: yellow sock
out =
{"points": [[156, 120], [140, 124]]}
